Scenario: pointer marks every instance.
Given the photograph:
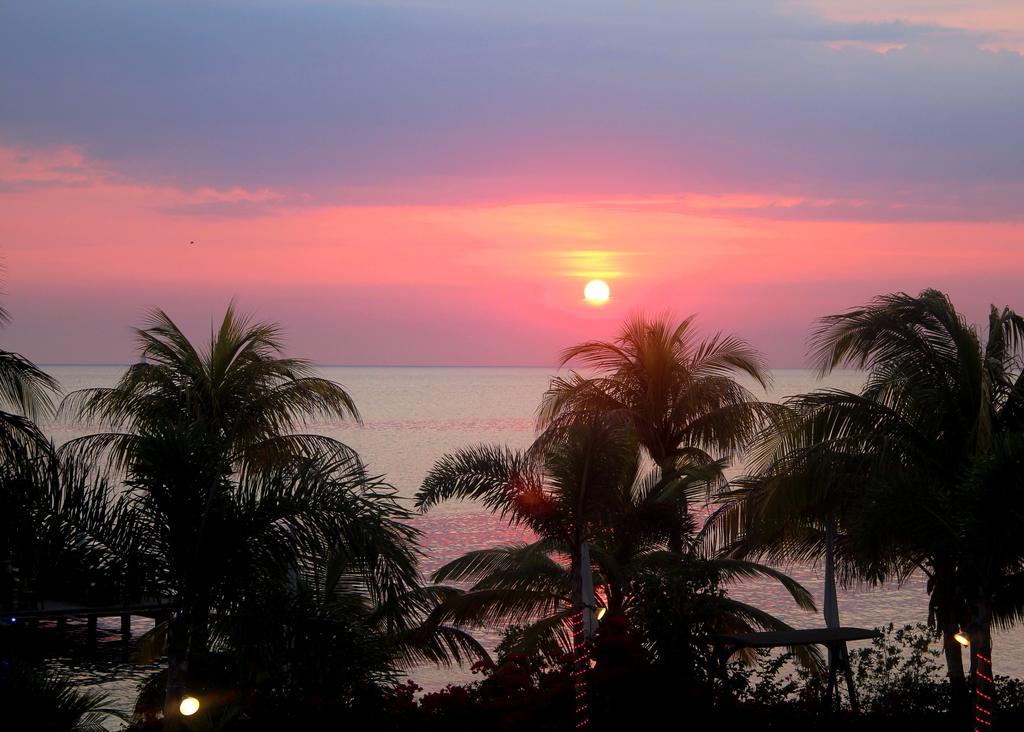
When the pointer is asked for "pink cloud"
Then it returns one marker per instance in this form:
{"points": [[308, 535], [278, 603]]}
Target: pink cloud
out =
{"points": [[86, 250], [1002, 19]]}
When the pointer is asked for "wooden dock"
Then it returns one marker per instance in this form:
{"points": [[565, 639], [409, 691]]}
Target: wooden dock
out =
{"points": [[61, 612]]}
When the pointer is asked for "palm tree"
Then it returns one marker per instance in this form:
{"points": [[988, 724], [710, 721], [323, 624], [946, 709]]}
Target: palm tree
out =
{"points": [[592, 485], [678, 393], [913, 469], [54, 702], [25, 396], [319, 633], [317, 600], [788, 506], [224, 491], [47, 508]]}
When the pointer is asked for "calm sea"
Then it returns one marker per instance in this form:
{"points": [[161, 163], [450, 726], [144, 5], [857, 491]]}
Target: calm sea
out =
{"points": [[412, 416]]}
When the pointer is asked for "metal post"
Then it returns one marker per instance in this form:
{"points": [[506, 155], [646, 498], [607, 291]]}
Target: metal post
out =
{"points": [[838, 654]]}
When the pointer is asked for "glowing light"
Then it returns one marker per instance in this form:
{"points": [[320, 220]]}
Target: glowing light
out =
{"points": [[189, 706], [601, 611], [597, 292], [581, 653], [982, 701], [962, 639]]}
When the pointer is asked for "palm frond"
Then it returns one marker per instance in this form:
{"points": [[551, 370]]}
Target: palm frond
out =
{"points": [[24, 387], [497, 607], [504, 480], [733, 569]]}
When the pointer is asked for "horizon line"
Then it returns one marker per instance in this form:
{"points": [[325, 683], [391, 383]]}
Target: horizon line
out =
{"points": [[412, 366]]}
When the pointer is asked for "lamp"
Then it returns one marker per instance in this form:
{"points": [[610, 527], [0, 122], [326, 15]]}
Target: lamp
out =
{"points": [[189, 706]]}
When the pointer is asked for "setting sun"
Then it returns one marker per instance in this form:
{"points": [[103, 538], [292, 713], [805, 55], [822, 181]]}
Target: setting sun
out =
{"points": [[597, 292]]}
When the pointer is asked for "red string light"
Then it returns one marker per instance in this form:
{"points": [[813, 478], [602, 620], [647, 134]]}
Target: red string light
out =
{"points": [[581, 658], [982, 701]]}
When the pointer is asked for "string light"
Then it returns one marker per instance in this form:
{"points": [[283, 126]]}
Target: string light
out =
{"points": [[983, 700], [581, 659]]}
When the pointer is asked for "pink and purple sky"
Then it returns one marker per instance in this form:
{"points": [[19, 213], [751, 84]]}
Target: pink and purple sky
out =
{"points": [[434, 182]]}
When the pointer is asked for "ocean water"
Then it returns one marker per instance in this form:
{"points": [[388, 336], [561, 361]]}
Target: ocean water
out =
{"points": [[412, 416]]}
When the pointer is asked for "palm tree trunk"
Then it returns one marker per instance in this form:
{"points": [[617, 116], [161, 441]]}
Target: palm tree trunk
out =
{"points": [[831, 600], [199, 630], [953, 653], [177, 650], [579, 639], [187, 640], [675, 533], [949, 623], [575, 583], [587, 599], [614, 598], [830, 605], [982, 678]]}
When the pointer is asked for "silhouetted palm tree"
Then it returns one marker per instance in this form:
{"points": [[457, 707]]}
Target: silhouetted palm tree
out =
{"points": [[53, 702], [48, 510], [224, 491], [25, 396], [677, 392], [592, 484], [318, 634], [916, 470]]}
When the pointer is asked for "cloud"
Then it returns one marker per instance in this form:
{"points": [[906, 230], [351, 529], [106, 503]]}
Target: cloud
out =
{"points": [[999, 24], [456, 282], [466, 102], [431, 182], [63, 167]]}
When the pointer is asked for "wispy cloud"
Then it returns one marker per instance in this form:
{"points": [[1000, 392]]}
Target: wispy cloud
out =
{"points": [[409, 179], [460, 101]]}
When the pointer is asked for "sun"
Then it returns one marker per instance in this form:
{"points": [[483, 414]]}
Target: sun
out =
{"points": [[597, 292]]}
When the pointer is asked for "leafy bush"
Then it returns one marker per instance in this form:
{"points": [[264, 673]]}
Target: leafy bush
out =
{"points": [[676, 613], [50, 700], [900, 673], [898, 677]]}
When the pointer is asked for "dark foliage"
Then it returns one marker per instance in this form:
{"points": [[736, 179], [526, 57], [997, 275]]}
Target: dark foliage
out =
{"points": [[51, 701]]}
